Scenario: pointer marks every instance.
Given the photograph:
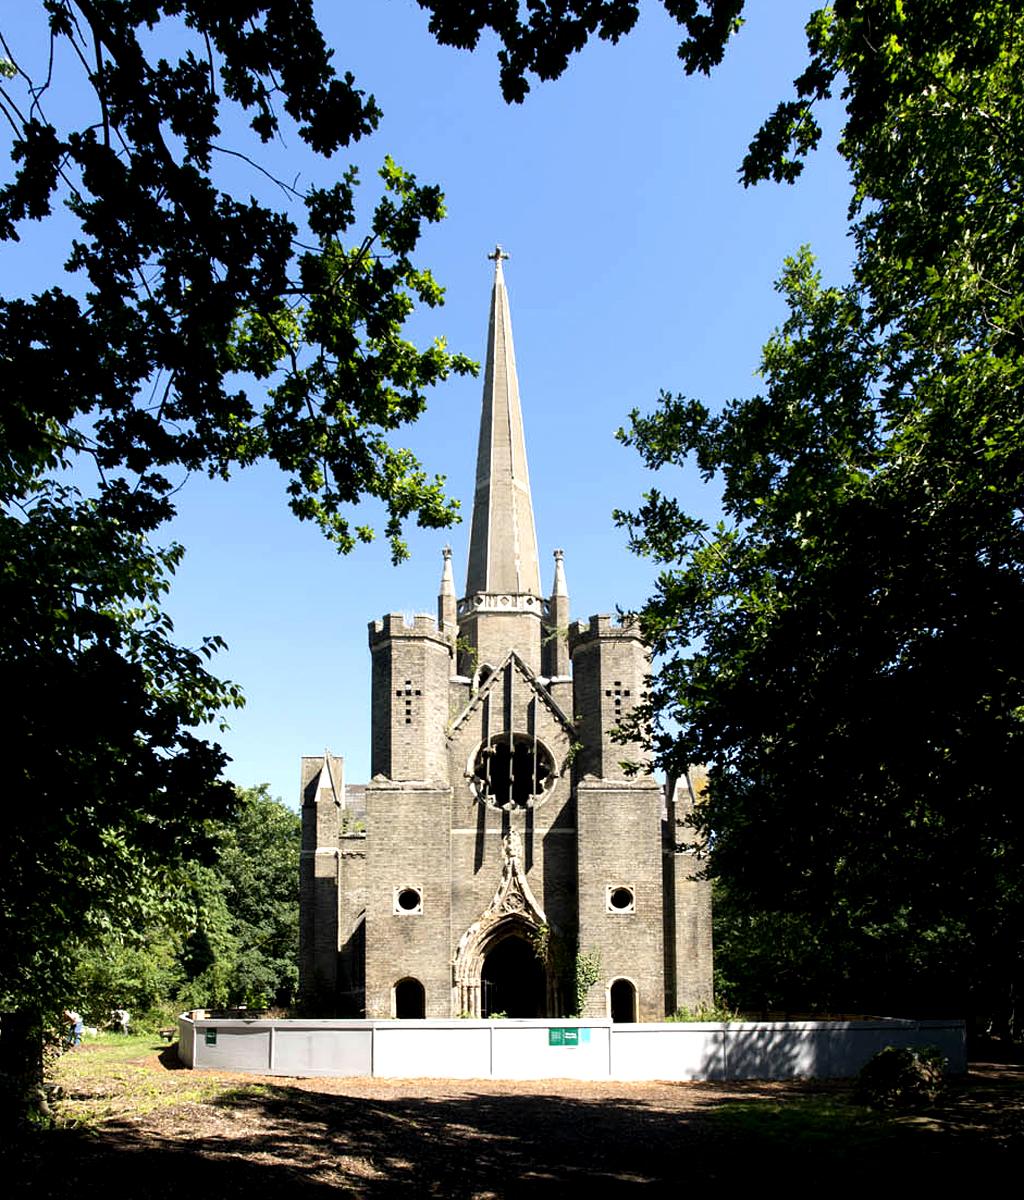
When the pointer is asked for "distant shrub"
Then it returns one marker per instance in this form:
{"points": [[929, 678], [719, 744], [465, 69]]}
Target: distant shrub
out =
{"points": [[704, 1012], [901, 1077]]}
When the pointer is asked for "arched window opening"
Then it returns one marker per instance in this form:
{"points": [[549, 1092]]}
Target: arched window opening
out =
{"points": [[511, 771], [622, 1002], [410, 1000]]}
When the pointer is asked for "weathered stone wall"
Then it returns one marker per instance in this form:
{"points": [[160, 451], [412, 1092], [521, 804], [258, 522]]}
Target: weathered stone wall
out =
{"points": [[689, 958], [492, 634], [411, 669], [610, 670], [547, 829], [620, 849], [408, 848], [319, 864], [352, 926]]}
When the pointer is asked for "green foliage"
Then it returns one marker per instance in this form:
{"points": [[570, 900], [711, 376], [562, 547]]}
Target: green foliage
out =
{"points": [[192, 294], [901, 1077], [257, 873], [543, 42], [842, 646], [576, 971], [587, 971], [352, 824], [541, 941], [242, 947], [193, 330], [233, 941], [704, 1012], [139, 976], [108, 790]]}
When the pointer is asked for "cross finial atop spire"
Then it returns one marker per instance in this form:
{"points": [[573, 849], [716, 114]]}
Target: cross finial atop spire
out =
{"points": [[496, 256]]}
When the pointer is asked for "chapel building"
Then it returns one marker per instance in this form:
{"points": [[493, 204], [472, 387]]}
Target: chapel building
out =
{"points": [[501, 838]]}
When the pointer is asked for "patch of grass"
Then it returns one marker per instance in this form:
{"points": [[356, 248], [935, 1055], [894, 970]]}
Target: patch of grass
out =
{"points": [[116, 1077], [817, 1128], [115, 1047]]}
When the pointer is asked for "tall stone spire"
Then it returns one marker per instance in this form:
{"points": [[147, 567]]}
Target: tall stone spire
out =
{"points": [[503, 539]]}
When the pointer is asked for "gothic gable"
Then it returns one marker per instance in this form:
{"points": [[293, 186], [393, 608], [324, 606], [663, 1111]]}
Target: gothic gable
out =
{"points": [[511, 746], [504, 677]]}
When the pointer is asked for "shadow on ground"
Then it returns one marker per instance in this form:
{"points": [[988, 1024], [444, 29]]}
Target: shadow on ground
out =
{"points": [[275, 1140]]}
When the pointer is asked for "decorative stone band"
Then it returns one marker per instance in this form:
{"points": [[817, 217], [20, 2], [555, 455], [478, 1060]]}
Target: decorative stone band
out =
{"points": [[499, 602]]}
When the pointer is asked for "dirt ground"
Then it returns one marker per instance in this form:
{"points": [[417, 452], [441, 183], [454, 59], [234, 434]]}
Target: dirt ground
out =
{"points": [[145, 1129]]}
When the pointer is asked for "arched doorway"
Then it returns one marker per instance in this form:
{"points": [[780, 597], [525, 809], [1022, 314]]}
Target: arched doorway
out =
{"points": [[513, 981], [622, 1002], [410, 1000]]}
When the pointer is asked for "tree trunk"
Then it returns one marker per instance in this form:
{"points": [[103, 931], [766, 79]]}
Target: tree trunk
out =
{"points": [[22, 1095]]}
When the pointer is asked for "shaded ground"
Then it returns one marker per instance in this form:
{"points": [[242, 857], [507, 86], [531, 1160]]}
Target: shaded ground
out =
{"points": [[136, 1127]]}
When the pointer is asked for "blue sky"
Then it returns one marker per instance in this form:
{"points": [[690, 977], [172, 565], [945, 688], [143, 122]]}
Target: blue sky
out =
{"points": [[637, 263]]}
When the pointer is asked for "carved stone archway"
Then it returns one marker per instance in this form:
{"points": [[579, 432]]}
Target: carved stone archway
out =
{"points": [[513, 912]]}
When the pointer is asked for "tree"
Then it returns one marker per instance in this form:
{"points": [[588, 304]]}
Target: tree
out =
{"points": [[842, 646], [554, 30], [192, 294], [107, 788], [249, 902], [197, 330], [231, 940]]}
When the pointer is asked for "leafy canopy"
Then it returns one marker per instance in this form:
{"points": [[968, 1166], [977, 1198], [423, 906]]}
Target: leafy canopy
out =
{"points": [[194, 328], [841, 647], [541, 39], [189, 293], [233, 942]]}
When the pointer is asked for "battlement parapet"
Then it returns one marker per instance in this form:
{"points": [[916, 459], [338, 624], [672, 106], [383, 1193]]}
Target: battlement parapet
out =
{"points": [[398, 625], [602, 626]]}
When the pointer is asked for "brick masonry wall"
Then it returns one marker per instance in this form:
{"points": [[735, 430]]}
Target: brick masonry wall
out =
{"points": [[318, 888], [352, 926], [408, 847], [492, 634], [620, 847]]}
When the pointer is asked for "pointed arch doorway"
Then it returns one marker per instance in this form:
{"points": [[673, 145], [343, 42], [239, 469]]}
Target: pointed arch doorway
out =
{"points": [[512, 980], [497, 971]]}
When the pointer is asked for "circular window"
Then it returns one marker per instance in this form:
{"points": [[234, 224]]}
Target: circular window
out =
{"points": [[408, 900], [513, 771], [620, 899]]}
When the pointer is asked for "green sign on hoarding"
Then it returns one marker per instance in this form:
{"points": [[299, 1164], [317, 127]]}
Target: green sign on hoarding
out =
{"points": [[211, 1037], [563, 1037]]}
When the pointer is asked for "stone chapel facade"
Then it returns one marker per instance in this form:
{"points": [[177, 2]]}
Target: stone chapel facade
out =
{"points": [[502, 836]]}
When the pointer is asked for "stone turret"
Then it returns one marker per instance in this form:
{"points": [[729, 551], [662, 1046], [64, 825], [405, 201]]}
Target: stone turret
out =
{"points": [[447, 607], [556, 638], [411, 669], [610, 669]]}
